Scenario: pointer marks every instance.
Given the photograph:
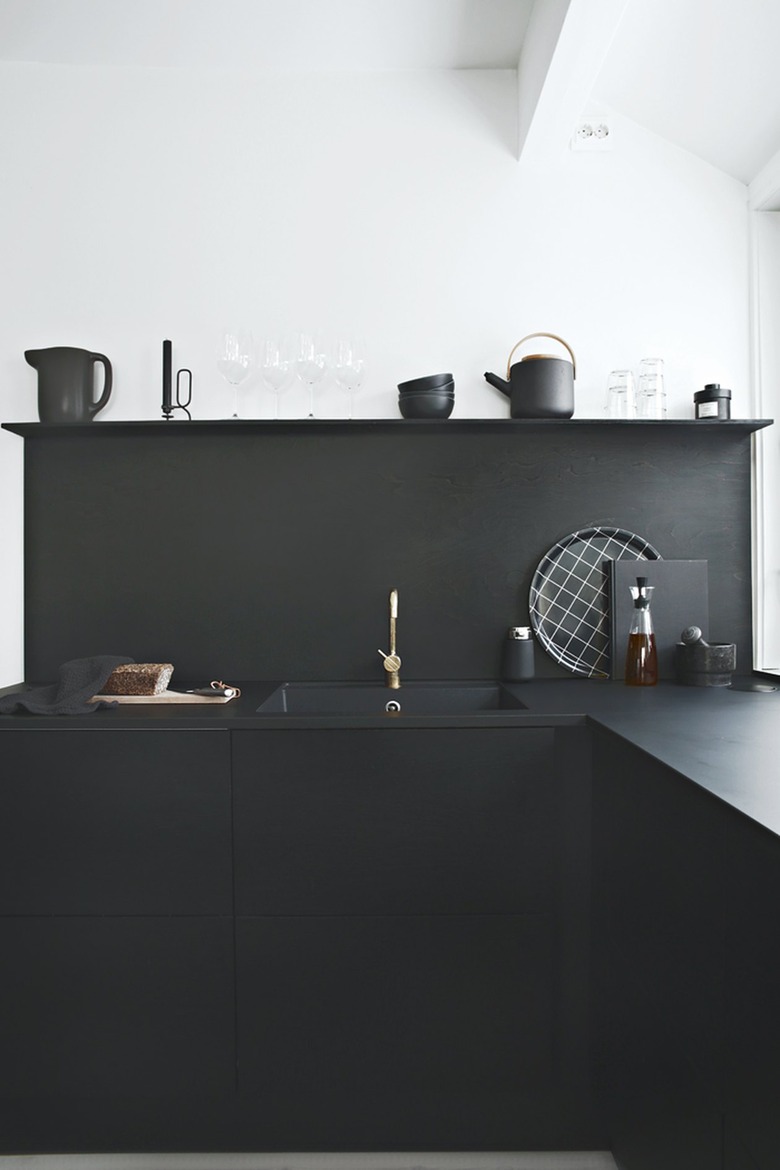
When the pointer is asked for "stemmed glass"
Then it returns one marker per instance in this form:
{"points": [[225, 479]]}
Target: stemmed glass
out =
{"points": [[234, 360], [348, 368], [310, 358], [275, 367]]}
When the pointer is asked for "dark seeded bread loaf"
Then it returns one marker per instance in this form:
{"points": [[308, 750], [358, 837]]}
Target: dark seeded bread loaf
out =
{"points": [[139, 678]]}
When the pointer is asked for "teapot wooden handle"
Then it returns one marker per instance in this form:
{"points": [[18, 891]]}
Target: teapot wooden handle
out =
{"points": [[528, 337]]}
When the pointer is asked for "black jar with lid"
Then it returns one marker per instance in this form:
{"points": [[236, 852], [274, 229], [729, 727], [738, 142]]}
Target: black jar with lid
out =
{"points": [[714, 401], [517, 663]]}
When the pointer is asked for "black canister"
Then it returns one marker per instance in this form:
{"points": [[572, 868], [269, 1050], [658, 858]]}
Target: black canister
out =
{"points": [[518, 657], [714, 401]]}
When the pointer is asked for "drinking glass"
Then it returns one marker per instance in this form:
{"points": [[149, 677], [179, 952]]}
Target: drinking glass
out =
{"points": [[651, 402], [621, 399], [234, 360], [310, 360], [275, 366], [348, 368]]}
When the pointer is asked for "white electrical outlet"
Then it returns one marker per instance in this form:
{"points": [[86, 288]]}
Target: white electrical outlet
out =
{"points": [[593, 134]]}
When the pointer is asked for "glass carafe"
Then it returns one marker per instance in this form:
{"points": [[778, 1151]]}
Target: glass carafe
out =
{"points": [[641, 653]]}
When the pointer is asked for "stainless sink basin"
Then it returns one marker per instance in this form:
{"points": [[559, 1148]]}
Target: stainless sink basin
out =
{"points": [[413, 698]]}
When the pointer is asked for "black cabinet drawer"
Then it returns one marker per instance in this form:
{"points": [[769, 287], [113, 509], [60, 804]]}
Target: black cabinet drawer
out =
{"points": [[395, 822], [115, 822], [123, 1006], [398, 1033]]}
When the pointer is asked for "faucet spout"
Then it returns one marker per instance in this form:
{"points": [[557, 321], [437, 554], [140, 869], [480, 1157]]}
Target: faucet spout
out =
{"points": [[392, 663]]}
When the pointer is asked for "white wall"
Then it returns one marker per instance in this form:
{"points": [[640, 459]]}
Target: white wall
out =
{"points": [[139, 204]]}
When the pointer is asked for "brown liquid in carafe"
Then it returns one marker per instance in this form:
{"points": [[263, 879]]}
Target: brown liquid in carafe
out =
{"points": [[641, 661]]}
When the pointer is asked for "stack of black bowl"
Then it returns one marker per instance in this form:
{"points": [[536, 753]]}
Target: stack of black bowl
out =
{"points": [[431, 397]]}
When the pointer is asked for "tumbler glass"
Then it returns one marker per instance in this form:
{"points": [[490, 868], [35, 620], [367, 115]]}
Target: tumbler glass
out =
{"points": [[651, 402], [621, 400]]}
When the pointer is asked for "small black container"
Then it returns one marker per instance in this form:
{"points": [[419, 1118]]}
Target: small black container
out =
{"points": [[517, 663], [714, 401]]}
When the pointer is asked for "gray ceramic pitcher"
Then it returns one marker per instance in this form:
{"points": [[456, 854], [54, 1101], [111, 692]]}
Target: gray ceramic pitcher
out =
{"points": [[66, 383]]}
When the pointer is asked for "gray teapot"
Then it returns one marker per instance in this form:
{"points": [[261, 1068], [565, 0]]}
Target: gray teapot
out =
{"points": [[540, 385], [66, 383]]}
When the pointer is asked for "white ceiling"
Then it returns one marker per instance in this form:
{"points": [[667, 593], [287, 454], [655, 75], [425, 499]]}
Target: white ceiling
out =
{"points": [[703, 74], [700, 73], [267, 34]]}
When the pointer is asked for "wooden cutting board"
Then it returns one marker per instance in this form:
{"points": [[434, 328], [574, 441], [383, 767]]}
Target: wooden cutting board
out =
{"points": [[164, 697]]}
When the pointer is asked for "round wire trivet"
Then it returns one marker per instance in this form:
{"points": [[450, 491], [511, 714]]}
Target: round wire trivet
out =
{"points": [[569, 602]]}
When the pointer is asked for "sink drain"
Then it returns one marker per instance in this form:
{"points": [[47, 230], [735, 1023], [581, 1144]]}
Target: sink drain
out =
{"points": [[393, 705]]}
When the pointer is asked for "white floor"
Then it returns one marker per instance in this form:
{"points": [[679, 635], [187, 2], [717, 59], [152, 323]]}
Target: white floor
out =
{"points": [[586, 1160]]}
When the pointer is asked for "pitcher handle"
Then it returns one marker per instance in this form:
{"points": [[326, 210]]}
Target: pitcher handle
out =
{"points": [[107, 382], [528, 337]]}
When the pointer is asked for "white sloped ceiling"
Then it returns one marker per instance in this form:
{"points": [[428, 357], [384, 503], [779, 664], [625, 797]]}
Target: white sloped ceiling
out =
{"points": [[700, 73]]}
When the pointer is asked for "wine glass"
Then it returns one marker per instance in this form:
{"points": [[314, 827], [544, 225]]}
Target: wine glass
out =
{"points": [[275, 366], [234, 360], [348, 368], [310, 359]]}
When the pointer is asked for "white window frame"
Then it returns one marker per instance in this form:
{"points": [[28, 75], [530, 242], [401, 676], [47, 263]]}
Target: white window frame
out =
{"points": [[764, 202]]}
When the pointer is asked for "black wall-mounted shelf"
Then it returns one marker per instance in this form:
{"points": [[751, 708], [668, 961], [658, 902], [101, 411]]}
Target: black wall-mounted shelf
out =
{"points": [[365, 426]]}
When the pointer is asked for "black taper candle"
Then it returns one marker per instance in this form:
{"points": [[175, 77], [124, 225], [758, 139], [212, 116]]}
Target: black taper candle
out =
{"points": [[167, 377]]}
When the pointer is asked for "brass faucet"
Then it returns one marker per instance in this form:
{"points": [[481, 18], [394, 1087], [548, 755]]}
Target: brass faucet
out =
{"points": [[392, 663]]}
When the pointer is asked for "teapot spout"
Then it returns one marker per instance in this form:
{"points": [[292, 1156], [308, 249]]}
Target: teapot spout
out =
{"points": [[499, 383]]}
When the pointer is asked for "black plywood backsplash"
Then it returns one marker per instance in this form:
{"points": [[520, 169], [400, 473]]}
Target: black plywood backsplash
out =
{"points": [[269, 552]]}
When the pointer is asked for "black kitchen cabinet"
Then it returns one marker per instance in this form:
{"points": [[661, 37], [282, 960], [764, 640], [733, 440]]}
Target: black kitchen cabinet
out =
{"points": [[407, 969], [117, 985], [413, 821], [115, 822], [659, 1113], [658, 939], [685, 970], [412, 910], [99, 1007], [752, 1024], [399, 1032], [422, 952]]}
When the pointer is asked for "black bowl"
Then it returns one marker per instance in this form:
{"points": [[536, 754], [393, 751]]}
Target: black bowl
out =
{"points": [[445, 387], [426, 405], [429, 383], [427, 395]]}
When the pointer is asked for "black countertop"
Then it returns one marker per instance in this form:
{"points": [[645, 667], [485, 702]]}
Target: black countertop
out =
{"points": [[723, 739]]}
